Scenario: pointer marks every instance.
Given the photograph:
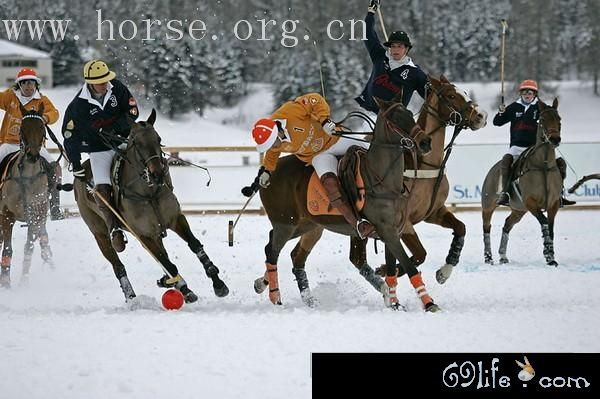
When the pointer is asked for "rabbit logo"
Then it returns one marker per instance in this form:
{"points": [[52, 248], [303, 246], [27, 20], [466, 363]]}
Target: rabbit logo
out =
{"points": [[527, 373]]}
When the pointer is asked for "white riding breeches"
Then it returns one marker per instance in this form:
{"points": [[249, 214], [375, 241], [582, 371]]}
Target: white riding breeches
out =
{"points": [[326, 161], [7, 148], [516, 151], [101, 162]]}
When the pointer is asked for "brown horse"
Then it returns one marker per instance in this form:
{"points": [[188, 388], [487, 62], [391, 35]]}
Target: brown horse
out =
{"points": [[539, 187], [285, 202], [24, 195], [445, 105], [148, 206]]}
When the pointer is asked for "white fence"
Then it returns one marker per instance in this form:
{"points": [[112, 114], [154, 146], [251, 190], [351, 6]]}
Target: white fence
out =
{"points": [[231, 168]]}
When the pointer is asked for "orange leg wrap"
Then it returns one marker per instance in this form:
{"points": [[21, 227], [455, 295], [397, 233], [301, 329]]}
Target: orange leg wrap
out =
{"points": [[273, 279], [419, 286], [392, 282], [6, 260]]}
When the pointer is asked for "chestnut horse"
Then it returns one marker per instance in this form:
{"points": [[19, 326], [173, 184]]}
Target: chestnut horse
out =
{"points": [[445, 105], [148, 206], [24, 195], [382, 168], [539, 187]]}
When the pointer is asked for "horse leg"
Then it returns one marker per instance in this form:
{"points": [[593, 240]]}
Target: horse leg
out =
{"points": [[183, 230], [358, 257], [394, 246], [447, 219], [172, 278], [486, 214], [548, 241], [299, 254], [32, 232], [110, 254], [549, 248], [411, 240], [278, 237], [512, 219], [45, 246], [8, 222]]}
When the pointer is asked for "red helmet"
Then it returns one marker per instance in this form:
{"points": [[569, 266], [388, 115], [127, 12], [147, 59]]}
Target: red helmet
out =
{"points": [[528, 84], [27, 74], [264, 134]]}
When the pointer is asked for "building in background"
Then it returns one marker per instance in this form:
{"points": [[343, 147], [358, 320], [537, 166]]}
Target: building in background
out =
{"points": [[14, 56]]}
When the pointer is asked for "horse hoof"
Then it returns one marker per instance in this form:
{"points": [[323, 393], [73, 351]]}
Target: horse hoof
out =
{"points": [[443, 274], [260, 285], [308, 299], [275, 297], [553, 263], [221, 289], [504, 260], [190, 297], [432, 307]]}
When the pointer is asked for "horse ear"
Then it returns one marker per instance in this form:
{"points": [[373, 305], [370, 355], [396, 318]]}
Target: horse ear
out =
{"points": [[443, 79], [382, 104], [40, 111], [433, 81], [152, 117], [555, 103]]}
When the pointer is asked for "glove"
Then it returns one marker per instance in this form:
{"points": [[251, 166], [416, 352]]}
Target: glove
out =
{"points": [[79, 174], [329, 126], [264, 177], [501, 109], [373, 6]]}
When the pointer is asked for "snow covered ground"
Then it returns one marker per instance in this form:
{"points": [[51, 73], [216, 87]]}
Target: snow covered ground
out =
{"points": [[69, 334]]}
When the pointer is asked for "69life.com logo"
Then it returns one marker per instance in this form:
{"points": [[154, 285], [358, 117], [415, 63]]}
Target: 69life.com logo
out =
{"points": [[563, 374]]}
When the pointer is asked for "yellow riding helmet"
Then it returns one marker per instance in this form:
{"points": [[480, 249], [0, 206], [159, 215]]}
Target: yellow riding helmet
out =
{"points": [[96, 72]]}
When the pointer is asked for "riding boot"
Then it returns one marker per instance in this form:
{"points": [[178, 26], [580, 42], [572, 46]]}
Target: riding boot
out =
{"points": [[117, 237], [331, 184], [53, 180], [505, 168], [562, 168]]}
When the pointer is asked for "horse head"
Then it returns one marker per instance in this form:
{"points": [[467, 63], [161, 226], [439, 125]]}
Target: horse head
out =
{"points": [[32, 132], [455, 107], [398, 126], [549, 123], [146, 143]]}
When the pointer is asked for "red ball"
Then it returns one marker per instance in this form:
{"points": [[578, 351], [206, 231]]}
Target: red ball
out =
{"points": [[172, 299]]}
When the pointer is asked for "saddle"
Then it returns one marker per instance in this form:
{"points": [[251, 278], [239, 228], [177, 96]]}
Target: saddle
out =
{"points": [[352, 182]]}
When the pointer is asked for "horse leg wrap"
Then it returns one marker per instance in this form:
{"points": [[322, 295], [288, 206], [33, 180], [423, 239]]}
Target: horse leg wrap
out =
{"points": [[6, 261], [211, 270], [272, 277], [375, 280], [419, 286], [126, 288], [390, 299], [502, 248], [487, 252], [4, 276], [455, 249], [301, 278]]}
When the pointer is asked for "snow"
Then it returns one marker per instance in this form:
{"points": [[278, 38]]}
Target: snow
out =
{"points": [[8, 48], [69, 333]]}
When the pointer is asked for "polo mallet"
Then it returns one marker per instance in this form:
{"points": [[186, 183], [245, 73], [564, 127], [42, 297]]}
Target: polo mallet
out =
{"points": [[504, 27], [69, 187], [232, 224], [380, 15], [319, 60]]}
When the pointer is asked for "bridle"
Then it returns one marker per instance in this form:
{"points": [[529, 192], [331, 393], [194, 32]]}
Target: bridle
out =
{"points": [[456, 117], [547, 133], [25, 146]]}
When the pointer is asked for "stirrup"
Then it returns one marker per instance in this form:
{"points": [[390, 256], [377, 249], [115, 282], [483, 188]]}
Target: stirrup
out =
{"points": [[358, 223]]}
